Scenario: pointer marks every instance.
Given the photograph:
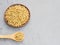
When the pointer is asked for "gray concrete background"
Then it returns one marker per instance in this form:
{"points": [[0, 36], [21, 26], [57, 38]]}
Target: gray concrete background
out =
{"points": [[43, 27]]}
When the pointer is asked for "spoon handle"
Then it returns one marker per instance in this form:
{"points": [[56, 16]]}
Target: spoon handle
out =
{"points": [[5, 36]]}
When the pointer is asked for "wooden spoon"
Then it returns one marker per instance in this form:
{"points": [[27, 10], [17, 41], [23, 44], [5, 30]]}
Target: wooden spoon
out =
{"points": [[18, 36]]}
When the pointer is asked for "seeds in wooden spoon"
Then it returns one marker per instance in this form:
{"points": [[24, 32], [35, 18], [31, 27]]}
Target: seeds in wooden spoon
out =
{"points": [[19, 36]]}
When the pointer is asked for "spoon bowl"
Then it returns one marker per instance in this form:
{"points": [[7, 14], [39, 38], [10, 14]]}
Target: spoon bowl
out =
{"points": [[18, 36]]}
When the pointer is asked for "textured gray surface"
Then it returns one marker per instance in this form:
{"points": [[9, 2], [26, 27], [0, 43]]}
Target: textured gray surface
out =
{"points": [[43, 27]]}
